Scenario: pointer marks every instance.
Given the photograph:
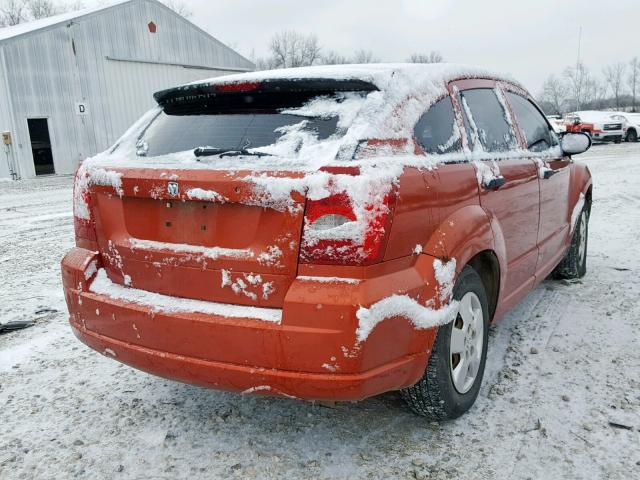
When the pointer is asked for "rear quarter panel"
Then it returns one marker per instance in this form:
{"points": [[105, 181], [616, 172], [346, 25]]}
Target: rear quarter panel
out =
{"points": [[580, 183]]}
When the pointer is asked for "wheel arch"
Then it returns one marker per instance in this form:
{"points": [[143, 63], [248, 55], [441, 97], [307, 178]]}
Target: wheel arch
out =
{"points": [[588, 198], [471, 237], [631, 129], [486, 264], [581, 184]]}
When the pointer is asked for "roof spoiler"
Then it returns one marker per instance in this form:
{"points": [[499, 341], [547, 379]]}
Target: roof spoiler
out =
{"points": [[208, 91]]}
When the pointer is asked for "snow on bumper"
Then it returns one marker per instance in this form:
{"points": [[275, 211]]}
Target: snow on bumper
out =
{"points": [[311, 352]]}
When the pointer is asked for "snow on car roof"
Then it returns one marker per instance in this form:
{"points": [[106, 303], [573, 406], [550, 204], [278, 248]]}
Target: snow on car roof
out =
{"points": [[591, 115], [381, 75], [628, 115]]}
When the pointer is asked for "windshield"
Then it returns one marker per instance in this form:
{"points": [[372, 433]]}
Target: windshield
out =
{"points": [[239, 131]]}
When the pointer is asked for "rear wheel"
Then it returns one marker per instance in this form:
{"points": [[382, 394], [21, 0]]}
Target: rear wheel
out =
{"points": [[632, 136], [454, 373], [574, 264], [618, 140]]}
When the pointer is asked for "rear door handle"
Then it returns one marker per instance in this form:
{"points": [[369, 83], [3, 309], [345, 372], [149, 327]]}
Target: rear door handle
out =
{"points": [[495, 183]]}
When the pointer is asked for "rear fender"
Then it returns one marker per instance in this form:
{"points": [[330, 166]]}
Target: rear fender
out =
{"points": [[580, 184], [464, 234]]}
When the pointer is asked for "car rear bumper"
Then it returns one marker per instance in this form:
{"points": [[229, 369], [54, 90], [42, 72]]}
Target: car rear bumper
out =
{"points": [[255, 380], [312, 353]]}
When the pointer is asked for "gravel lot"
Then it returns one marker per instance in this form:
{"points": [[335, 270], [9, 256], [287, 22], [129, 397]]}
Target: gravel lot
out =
{"points": [[563, 366]]}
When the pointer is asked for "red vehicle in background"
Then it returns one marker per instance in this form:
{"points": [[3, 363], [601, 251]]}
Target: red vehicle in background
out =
{"points": [[600, 126], [325, 233]]}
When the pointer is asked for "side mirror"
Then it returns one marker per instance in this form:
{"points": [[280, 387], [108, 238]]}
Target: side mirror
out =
{"points": [[575, 143]]}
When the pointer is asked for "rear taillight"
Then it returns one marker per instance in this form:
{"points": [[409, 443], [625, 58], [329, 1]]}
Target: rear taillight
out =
{"points": [[83, 222], [334, 233]]}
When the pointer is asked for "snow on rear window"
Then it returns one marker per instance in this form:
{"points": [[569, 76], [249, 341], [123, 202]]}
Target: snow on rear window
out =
{"points": [[178, 133], [437, 131]]}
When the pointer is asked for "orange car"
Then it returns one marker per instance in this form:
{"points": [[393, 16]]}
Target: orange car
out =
{"points": [[325, 233]]}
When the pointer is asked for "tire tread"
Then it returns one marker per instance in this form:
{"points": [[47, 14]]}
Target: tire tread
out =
{"points": [[570, 266], [430, 397]]}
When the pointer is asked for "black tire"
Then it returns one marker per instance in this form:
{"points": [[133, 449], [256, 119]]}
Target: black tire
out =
{"points": [[574, 263], [632, 136], [435, 395], [618, 140]]}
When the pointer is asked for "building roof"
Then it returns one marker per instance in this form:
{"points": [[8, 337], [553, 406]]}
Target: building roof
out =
{"points": [[8, 33], [18, 31]]}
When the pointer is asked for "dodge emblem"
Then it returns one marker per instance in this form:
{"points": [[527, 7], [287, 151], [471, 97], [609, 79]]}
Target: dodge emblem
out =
{"points": [[173, 189]]}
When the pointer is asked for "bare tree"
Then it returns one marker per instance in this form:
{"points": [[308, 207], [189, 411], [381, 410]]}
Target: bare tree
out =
{"points": [[595, 93], [578, 77], [360, 56], [614, 75], [47, 8], [634, 78], [179, 6], [12, 12], [334, 58], [294, 49], [554, 93], [42, 8], [431, 57], [364, 56]]}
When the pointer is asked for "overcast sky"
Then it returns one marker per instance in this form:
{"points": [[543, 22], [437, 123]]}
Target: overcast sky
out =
{"points": [[527, 39]]}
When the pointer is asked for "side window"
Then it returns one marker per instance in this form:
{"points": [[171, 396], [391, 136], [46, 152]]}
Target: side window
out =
{"points": [[535, 127], [486, 121], [437, 131]]}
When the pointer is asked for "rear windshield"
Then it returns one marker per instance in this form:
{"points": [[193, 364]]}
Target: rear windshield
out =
{"points": [[178, 133]]}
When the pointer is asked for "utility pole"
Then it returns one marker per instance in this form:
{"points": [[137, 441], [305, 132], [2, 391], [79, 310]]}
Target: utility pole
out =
{"points": [[578, 74]]}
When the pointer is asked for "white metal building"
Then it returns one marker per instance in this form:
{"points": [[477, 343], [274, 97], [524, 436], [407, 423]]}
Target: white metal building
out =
{"points": [[70, 85]]}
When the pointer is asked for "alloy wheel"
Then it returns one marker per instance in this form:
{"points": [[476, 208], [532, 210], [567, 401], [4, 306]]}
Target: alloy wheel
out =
{"points": [[466, 343], [582, 233]]}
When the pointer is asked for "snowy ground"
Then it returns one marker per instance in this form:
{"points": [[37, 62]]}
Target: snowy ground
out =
{"points": [[561, 367]]}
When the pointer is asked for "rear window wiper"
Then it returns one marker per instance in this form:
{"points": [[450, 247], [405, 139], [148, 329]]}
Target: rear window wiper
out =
{"points": [[243, 151], [225, 152], [208, 151]]}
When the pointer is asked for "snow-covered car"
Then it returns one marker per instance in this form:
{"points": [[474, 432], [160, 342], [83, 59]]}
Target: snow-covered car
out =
{"points": [[325, 233], [630, 124], [600, 126]]}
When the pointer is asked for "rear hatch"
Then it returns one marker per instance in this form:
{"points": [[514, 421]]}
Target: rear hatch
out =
{"points": [[182, 214]]}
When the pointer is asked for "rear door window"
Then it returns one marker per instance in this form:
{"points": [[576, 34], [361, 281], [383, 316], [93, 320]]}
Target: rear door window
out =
{"points": [[486, 121], [437, 131], [536, 130]]}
